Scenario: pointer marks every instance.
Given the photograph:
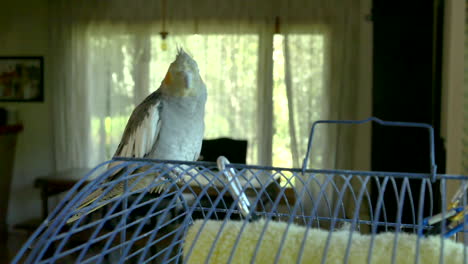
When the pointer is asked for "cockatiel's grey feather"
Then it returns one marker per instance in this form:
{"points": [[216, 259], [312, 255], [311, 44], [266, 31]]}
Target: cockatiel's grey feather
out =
{"points": [[168, 125]]}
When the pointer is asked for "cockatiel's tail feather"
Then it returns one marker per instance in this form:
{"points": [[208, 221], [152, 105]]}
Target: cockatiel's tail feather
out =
{"points": [[118, 190]]}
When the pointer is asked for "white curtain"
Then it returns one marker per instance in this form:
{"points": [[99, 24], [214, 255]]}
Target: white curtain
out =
{"points": [[272, 68]]}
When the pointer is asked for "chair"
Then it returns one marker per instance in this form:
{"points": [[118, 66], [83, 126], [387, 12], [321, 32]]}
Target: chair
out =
{"points": [[234, 150]]}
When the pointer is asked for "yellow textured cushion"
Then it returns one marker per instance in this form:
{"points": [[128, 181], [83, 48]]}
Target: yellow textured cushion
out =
{"points": [[382, 252]]}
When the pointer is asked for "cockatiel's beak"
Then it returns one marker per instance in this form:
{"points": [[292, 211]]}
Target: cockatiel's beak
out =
{"points": [[179, 83], [184, 79], [188, 80]]}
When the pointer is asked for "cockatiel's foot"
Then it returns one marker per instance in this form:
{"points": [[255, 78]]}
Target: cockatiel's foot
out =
{"points": [[179, 173], [184, 172]]}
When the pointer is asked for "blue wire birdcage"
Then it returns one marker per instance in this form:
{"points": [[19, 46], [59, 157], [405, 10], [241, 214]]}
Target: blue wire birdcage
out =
{"points": [[206, 212]]}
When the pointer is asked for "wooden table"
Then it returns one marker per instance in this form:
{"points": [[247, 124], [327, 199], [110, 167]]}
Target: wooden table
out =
{"points": [[50, 185], [57, 183]]}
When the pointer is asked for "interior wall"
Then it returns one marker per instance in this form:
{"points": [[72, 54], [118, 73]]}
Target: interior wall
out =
{"points": [[24, 32], [452, 90], [363, 134], [452, 85]]}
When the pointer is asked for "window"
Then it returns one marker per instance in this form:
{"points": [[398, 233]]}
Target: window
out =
{"points": [[303, 104], [129, 67]]}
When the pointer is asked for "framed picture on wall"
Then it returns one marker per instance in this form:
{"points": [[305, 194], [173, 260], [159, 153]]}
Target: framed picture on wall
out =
{"points": [[22, 79]]}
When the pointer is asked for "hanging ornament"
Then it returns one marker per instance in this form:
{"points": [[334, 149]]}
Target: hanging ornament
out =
{"points": [[163, 33], [163, 40]]}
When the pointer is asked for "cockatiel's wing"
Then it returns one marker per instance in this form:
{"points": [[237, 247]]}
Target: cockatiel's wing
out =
{"points": [[138, 141], [142, 130]]}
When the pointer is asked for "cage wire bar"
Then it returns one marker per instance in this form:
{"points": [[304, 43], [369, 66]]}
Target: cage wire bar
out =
{"points": [[207, 212]]}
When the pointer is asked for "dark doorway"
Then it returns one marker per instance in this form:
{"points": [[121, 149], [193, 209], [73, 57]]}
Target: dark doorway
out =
{"points": [[407, 87]]}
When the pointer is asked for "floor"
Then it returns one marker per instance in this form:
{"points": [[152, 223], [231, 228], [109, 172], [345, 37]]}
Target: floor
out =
{"points": [[11, 245]]}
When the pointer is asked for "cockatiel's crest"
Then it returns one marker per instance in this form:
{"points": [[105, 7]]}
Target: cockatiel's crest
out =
{"points": [[183, 77]]}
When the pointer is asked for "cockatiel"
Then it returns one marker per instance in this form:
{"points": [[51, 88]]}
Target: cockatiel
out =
{"points": [[167, 125]]}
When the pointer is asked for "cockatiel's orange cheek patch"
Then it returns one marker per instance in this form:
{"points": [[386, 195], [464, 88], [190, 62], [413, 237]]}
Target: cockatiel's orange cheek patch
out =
{"points": [[168, 78]]}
